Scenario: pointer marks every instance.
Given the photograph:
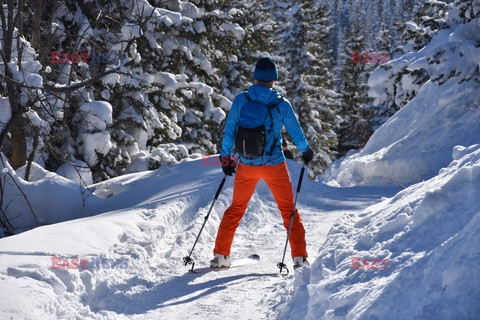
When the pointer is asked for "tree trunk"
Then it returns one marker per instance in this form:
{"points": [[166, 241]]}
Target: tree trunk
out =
{"points": [[17, 130], [19, 144]]}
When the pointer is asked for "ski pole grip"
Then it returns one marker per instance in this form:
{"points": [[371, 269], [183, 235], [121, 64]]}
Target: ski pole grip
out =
{"points": [[300, 180], [220, 187]]}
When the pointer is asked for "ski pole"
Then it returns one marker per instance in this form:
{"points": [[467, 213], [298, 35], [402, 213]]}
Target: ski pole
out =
{"points": [[188, 260], [282, 265]]}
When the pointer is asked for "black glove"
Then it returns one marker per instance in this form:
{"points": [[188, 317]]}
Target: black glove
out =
{"points": [[228, 165], [307, 156]]}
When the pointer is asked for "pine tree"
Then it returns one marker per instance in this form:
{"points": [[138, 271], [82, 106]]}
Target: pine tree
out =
{"points": [[236, 64], [309, 82], [162, 94], [427, 19], [354, 130], [384, 40]]}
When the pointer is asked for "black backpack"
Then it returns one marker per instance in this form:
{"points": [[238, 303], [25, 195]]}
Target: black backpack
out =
{"points": [[251, 135]]}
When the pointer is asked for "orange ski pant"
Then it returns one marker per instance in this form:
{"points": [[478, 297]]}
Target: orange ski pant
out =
{"points": [[246, 179]]}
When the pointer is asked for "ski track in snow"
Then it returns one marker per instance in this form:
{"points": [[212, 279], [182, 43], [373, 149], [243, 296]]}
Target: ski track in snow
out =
{"points": [[158, 232], [255, 291]]}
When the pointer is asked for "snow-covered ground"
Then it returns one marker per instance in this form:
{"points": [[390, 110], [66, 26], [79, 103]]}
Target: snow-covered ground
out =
{"points": [[150, 222], [428, 232]]}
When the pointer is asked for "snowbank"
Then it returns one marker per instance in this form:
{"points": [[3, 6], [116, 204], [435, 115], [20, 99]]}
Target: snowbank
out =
{"points": [[46, 198], [428, 237], [77, 171], [417, 141]]}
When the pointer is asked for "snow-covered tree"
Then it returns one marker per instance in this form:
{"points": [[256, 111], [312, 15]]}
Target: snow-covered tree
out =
{"points": [[393, 87], [464, 11], [20, 85], [235, 32], [309, 81], [354, 130], [428, 17]]}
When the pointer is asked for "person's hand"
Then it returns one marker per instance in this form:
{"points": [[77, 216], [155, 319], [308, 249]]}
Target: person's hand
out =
{"points": [[307, 156], [228, 165]]}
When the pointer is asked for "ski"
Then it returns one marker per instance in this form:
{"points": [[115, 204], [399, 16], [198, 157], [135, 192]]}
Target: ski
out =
{"points": [[251, 259]]}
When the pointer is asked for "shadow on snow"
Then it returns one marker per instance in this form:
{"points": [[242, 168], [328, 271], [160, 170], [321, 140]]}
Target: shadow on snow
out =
{"points": [[176, 291]]}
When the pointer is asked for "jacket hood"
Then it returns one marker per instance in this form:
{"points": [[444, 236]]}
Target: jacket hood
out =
{"points": [[263, 94]]}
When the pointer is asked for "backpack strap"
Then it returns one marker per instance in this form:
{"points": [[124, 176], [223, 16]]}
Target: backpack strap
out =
{"points": [[274, 104], [270, 107]]}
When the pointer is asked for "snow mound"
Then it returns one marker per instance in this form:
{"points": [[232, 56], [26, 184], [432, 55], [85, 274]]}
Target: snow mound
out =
{"points": [[60, 199], [77, 171], [96, 115], [94, 138], [427, 237], [417, 141]]}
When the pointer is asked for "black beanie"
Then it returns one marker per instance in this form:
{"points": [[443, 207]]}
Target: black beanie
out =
{"points": [[265, 70]]}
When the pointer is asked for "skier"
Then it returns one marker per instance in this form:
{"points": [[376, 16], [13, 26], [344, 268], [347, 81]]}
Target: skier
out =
{"points": [[269, 164]]}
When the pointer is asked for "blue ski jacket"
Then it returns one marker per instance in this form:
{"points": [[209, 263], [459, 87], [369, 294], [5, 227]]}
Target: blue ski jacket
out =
{"points": [[282, 116]]}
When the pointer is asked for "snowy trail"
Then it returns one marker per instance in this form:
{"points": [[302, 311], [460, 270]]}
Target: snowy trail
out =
{"points": [[155, 227], [254, 291]]}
